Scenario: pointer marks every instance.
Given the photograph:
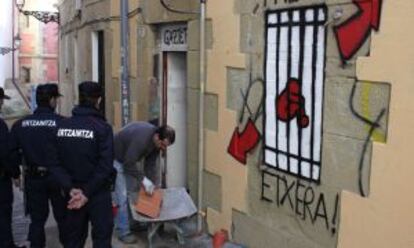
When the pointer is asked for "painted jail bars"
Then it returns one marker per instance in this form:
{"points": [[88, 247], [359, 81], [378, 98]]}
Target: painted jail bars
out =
{"points": [[294, 79]]}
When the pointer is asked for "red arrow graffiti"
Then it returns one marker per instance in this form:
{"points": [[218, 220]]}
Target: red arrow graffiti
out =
{"points": [[352, 34], [242, 143]]}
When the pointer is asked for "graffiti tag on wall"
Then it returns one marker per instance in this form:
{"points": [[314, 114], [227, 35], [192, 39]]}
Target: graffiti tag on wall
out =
{"points": [[246, 140], [353, 33], [373, 125], [302, 199]]}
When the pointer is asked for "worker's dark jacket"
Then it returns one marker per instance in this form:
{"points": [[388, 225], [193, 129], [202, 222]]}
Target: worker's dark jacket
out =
{"points": [[34, 138], [134, 143], [85, 151]]}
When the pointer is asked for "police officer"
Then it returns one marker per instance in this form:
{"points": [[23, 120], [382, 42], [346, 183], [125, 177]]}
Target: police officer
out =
{"points": [[85, 149], [32, 138], [6, 193]]}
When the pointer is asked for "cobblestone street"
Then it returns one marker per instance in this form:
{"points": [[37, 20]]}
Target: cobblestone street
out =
{"points": [[21, 228]]}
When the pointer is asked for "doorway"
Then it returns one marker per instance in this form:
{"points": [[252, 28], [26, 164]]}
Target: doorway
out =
{"points": [[98, 63], [175, 114]]}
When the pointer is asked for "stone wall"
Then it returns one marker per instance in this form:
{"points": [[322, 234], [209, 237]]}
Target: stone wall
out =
{"points": [[284, 207], [362, 142], [77, 26]]}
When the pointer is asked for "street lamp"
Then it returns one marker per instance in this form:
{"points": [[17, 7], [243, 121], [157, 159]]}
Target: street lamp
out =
{"points": [[20, 4], [43, 16], [16, 41]]}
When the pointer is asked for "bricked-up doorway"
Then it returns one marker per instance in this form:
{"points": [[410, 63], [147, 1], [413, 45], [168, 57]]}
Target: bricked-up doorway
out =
{"points": [[173, 58], [175, 115], [98, 62], [294, 76]]}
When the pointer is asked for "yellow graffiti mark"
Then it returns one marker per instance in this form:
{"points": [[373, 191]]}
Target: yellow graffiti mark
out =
{"points": [[377, 135]]}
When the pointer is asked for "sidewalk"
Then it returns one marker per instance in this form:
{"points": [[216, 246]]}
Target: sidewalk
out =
{"points": [[21, 228]]}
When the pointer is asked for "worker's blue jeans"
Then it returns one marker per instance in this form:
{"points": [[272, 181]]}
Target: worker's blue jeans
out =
{"points": [[121, 199]]}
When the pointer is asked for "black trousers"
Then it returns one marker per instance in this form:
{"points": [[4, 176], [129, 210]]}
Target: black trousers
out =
{"points": [[6, 203], [39, 191], [98, 212]]}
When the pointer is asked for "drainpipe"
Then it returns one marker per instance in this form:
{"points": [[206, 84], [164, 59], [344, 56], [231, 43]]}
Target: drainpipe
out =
{"points": [[201, 115], [125, 104]]}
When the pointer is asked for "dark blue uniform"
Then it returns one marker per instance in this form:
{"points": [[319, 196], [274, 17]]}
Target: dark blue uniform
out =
{"points": [[6, 193], [33, 137], [85, 149]]}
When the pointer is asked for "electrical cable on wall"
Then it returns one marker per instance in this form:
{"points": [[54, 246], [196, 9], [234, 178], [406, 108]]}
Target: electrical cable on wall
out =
{"points": [[105, 19], [117, 18], [167, 7]]}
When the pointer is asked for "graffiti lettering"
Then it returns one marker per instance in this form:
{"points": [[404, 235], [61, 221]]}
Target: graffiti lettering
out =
{"points": [[300, 198], [287, 193]]}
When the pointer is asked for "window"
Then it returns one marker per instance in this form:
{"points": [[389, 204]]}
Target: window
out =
{"points": [[25, 74], [294, 77]]}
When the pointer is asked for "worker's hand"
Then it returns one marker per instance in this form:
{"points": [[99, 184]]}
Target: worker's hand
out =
{"points": [[78, 199], [148, 186]]}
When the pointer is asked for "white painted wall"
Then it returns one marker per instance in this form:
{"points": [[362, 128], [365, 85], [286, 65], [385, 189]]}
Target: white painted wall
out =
{"points": [[95, 54], [5, 40], [76, 74], [177, 117]]}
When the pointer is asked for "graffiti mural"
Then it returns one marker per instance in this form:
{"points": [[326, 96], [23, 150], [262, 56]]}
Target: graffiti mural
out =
{"points": [[291, 104], [245, 141], [318, 121], [353, 33], [295, 62]]}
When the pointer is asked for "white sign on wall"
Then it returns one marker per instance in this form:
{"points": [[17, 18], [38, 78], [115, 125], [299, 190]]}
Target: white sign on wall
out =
{"points": [[174, 37], [295, 62]]}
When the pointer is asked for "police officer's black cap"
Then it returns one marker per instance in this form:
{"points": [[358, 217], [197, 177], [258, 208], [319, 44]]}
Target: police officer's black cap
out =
{"points": [[48, 90], [90, 89], [3, 95]]}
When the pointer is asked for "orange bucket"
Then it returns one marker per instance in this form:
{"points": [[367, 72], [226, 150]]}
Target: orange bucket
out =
{"points": [[114, 210], [219, 238]]}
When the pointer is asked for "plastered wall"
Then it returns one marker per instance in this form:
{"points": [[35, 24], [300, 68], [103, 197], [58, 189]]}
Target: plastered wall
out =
{"points": [[75, 49], [282, 204], [225, 53], [356, 192], [385, 218]]}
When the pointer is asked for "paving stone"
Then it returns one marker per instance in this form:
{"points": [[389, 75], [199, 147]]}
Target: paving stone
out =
{"points": [[166, 239]]}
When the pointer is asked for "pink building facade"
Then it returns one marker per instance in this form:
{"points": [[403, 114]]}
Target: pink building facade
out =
{"points": [[38, 53]]}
